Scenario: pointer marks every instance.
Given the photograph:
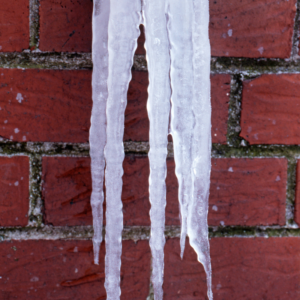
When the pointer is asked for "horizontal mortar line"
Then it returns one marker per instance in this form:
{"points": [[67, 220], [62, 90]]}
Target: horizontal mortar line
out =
{"points": [[139, 232], [142, 148], [219, 65]]}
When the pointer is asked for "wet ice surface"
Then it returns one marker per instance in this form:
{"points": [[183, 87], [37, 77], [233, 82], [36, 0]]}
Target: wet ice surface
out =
{"points": [[178, 55]]}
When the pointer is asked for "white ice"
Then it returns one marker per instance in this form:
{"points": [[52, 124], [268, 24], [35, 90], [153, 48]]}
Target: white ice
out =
{"points": [[158, 106], [98, 119], [123, 31]]}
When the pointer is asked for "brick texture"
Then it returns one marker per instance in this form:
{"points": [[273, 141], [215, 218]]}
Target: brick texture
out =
{"points": [[271, 110], [14, 186], [252, 28], [14, 25], [55, 106], [65, 270], [297, 200], [244, 192], [243, 28], [243, 268]]}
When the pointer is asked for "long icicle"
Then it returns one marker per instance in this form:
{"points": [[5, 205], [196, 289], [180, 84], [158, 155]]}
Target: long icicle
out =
{"points": [[158, 106], [98, 119], [123, 31], [201, 148], [182, 118]]}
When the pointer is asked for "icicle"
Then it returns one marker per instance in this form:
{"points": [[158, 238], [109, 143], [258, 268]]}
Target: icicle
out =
{"points": [[201, 142], [123, 31], [158, 58], [182, 118], [98, 119]]}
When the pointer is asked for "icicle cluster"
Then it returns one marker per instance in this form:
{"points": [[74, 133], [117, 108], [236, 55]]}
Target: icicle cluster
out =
{"points": [[178, 55]]}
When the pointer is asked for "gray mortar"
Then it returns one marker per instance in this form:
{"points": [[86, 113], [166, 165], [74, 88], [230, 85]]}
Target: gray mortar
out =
{"points": [[34, 23]]}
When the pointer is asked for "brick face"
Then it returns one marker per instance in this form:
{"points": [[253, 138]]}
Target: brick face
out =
{"points": [[14, 186], [55, 106], [65, 270], [240, 28], [243, 268], [243, 191], [297, 201], [14, 25], [252, 28], [271, 110]]}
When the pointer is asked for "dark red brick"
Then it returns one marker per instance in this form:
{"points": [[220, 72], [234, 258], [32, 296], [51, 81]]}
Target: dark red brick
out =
{"points": [[243, 268], [66, 26], [244, 192], [14, 25], [45, 105], [65, 270], [247, 28], [14, 186], [297, 202], [271, 110], [55, 106], [67, 190]]}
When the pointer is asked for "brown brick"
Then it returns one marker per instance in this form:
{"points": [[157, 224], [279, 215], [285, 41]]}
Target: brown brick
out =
{"points": [[65, 270], [67, 190], [252, 28], [14, 186], [271, 110], [244, 192], [55, 106], [243, 268], [14, 25]]}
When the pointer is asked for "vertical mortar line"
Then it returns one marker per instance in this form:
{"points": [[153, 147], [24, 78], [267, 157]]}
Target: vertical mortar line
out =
{"points": [[34, 23], [35, 214], [234, 111], [290, 192], [295, 38]]}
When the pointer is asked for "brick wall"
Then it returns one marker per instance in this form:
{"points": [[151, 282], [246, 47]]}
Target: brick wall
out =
{"points": [[45, 107]]}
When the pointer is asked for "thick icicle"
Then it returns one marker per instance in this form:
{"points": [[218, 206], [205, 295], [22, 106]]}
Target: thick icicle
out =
{"points": [[201, 143], [182, 119], [98, 119], [123, 31], [158, 58]]}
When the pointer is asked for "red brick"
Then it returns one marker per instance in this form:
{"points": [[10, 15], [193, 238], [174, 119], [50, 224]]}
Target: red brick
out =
{"points": [[245, 192], [55, 106], [45, 105], [252, 28], [67, 190], [66, 26], [297, 202], [243, 268], [254, 193], [271, 110], [14, 25], [140, 42], [14, 186], [65, 270]]}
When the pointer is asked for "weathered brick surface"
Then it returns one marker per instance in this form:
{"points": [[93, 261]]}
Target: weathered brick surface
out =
{"points": [[55, 106], [271, 110], [66, 25], [237, 28], [45, 105], [247, 28], [14, 25], [14, 186], [243, 268], [243, 191], [67, 190], [65, 270]]}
